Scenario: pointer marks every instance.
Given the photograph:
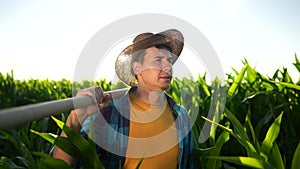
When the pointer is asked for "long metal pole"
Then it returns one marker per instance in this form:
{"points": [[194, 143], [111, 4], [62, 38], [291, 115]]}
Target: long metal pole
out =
{"points": [[15, 116]]}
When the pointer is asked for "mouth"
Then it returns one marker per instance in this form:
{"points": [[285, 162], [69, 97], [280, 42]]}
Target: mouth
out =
{"points": [[166, 77]]}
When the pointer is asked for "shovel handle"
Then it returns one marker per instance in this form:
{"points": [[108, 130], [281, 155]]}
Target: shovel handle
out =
{"points": [[11, 117]]}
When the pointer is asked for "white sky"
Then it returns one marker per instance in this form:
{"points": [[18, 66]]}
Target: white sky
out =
{"points": [[43, 39]]}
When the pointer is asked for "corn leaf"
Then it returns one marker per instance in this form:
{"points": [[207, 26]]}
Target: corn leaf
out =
{"points": [[246, 161], [140, 163], [65, 144], [7, 163], [222, 139], [201, 82], [296, 158], [249, 147], [53, 163], [59, 123], [219, 125], [196, 135], [289, 85], [199, 152], [233, 88], [271, 137], [47, 136], [251, 74], [297, 64], [275, 158], [47, 161], [238, 127], [249, 124], [88, 150]]}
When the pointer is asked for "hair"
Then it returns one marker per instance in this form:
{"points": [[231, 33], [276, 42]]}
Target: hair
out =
{"points": [[140, 55]]}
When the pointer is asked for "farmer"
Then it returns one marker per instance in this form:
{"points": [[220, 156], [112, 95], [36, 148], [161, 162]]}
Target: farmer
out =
{"points": [[145, 123]]}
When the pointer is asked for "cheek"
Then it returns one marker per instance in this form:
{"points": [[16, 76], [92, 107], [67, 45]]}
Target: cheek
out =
{"points": [[152, 68], [151, 73], [154, 72], [154, 65]]}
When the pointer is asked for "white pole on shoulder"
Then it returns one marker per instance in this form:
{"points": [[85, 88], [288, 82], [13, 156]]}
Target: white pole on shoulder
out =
{"points": [[11, 117]]}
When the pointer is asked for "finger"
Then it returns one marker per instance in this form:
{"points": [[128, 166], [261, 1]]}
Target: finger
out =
{"points": [[104, 101], [86, 92], [99, 94]]}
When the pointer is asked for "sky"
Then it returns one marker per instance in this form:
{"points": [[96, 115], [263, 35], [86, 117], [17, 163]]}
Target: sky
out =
{"points": [[44, 39]]}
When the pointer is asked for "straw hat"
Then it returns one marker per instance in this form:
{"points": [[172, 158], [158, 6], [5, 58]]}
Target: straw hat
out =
{"points": [[172, 38]]}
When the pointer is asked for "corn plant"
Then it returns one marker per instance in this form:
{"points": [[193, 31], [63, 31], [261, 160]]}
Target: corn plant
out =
{"points": [[75, 145], [252, 103], [251, 121], [20, 148]]}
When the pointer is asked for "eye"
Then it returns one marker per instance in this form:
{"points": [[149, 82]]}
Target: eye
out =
{"points": [[158, 59], [170, 60]]}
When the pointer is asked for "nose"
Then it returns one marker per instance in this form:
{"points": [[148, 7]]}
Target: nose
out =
{"points": [[167, 67]]}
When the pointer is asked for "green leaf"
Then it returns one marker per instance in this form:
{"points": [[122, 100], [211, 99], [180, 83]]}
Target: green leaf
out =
{"points": [[289, 85], [9, 136], [233, 88], [271, 137], [48, 162], [8, 163], [65, 144], [297, 64], [140, 163], [222, 139], [296, 158], [199, 152], [59, 123], [275, 158], [246, 161], [238, 127], [268, 86], [202, 84], [51, 163], [15, 146], [249, 124], [85, 147], [47, 136], [249, 147], [251, 74], [195, 135], [77, 146], [219, 125]]}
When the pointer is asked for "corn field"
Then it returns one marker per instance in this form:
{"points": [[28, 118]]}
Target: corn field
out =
{"points": [[254, 124]]}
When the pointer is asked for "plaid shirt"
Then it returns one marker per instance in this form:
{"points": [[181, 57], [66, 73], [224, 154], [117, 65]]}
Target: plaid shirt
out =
{"points": [[112, 131]]}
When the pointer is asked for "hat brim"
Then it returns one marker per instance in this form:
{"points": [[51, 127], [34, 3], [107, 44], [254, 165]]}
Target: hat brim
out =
{"points": [[171, 38]]}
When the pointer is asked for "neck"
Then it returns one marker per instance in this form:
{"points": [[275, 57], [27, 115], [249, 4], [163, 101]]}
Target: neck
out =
{"points": [[152, 97]]}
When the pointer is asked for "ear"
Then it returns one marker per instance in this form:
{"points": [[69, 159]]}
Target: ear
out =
{"points": [[136, 67]]}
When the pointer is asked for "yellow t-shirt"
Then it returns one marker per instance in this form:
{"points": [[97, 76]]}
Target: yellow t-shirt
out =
{"points": [[152, 135]]}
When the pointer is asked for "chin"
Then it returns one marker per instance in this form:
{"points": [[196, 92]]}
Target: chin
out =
{"points": [[165, 87]]}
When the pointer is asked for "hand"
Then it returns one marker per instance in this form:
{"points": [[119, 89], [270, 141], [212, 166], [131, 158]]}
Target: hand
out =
{"points": [[77, 116], [96, 93]]}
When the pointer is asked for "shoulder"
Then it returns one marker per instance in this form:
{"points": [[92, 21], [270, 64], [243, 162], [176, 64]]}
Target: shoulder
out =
{"points": [[175, 106], [112, 110]]}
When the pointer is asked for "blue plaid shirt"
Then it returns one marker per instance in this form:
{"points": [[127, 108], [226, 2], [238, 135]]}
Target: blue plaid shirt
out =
{"points": [[112, 131]]}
